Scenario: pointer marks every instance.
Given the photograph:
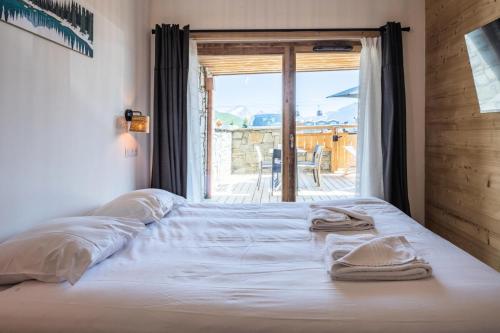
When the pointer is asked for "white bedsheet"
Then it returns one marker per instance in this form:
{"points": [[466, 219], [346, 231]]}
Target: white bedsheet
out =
{"points": [[249, 268]]}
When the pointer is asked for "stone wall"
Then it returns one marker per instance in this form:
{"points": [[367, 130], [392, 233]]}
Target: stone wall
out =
{"points": [[235, 151], [244, 142]]}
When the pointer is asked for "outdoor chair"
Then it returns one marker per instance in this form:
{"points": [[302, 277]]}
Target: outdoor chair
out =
{"points": [[275, 170], [314, 164], [262, 165]]}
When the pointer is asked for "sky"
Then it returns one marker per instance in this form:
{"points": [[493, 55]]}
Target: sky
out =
{"points": [[261, 93]]}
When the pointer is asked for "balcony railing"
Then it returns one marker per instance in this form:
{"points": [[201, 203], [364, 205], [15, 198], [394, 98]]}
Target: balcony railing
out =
{"points": [[339, 140]]}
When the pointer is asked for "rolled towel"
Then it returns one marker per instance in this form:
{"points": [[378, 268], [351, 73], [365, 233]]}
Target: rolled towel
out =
{"points": [[365, 257], [329, 218]]}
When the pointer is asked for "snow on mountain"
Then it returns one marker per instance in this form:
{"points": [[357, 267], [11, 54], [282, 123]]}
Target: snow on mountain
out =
{"points": [[347, 113]]}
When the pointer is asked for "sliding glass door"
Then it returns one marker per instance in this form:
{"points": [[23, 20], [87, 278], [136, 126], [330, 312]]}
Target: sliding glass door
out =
{"points": [[282, 122], [326, 125], [245, 128]]}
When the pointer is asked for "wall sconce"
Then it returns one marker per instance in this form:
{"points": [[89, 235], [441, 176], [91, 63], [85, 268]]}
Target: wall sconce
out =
{"points": [[138, 122]]}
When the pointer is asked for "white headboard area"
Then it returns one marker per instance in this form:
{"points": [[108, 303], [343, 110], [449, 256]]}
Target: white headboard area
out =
{"points": [[62, 149]]}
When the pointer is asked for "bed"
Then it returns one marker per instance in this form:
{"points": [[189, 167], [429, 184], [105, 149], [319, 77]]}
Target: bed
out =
{"points": [[257, 268]]}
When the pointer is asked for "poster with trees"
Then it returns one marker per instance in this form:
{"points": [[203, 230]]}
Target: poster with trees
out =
{"points": [[65, 22]]}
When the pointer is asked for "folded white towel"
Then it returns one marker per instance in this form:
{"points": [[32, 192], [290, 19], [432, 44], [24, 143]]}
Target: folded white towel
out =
{"points": [[365, 257], [329, 218]]}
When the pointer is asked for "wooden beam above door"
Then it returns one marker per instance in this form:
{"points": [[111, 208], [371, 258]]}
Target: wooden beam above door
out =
{"points": [[261, 57], [270, 63], [262, 48]]}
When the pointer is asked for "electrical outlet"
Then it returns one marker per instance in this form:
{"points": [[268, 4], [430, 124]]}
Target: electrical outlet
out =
{"points": [[131, 151]]}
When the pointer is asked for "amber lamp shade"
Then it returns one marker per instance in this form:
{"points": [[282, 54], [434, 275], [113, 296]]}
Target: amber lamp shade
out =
{"points": [[138, 122]]}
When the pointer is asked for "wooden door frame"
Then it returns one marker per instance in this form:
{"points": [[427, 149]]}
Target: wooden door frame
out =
{"points": [[243, 44], [288, 128]]}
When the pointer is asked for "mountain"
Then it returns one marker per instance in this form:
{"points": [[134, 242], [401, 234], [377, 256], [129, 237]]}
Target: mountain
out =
{"points": [[345, 114], [229, 119], [240, 111]]}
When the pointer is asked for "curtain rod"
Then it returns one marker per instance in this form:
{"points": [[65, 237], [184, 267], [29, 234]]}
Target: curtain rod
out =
{"points": [[291, 30]]}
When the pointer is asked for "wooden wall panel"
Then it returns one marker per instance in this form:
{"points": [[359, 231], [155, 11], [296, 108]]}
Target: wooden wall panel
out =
{"points": [[462, 145]]}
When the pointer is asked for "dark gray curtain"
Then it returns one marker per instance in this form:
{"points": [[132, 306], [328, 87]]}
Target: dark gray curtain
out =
{"points": [[169, 170], [394, 118]]}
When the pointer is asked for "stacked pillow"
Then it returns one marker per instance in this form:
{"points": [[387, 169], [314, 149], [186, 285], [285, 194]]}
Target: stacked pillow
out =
{"points": [[148, 205], [63, 249]]}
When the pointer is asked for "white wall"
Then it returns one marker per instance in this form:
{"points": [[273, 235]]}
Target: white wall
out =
{"points": [[61, 150], [259, 14]]}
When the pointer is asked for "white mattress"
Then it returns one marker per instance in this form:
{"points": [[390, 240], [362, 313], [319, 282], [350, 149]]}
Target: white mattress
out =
{"points": [[250, 268]]}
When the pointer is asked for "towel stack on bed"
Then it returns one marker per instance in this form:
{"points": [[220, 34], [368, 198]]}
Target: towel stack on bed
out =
{"points": [[332, 219], [365, 257]]}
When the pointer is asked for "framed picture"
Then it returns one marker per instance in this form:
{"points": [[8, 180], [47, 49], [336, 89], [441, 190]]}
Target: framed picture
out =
{"points": [[483, 47], [65, 22]]}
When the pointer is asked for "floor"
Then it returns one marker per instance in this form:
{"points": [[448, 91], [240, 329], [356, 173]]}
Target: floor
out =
{"points": [[243, 188]]}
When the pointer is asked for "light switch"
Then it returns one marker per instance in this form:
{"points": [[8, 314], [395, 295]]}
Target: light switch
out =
{"points": [[131, 151]]}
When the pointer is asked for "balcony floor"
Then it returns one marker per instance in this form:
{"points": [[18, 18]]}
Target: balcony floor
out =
{"points": [[243, 188]]}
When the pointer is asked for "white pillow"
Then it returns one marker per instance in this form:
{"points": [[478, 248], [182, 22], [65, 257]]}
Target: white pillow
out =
{"points": [[63, 249], [148, 205]]}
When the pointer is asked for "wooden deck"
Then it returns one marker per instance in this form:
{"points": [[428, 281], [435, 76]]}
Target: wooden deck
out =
{"points": [[243, 188]]}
